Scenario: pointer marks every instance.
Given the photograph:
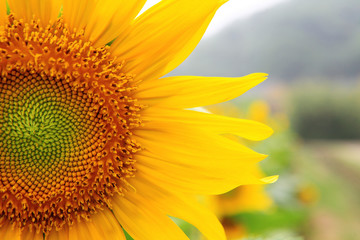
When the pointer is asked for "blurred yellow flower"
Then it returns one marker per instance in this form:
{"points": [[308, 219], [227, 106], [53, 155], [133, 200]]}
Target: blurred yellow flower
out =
{"points": [[93, 140], [259, 111], [244, 198]]}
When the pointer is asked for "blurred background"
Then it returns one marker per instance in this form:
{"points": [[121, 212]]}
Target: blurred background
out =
{"points": [[311, 50]]}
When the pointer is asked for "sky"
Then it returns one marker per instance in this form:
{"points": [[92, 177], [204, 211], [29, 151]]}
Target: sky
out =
{"points": [[232, 10]]}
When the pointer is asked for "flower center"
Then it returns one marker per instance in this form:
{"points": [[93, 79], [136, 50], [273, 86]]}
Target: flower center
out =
{"points": [[45, 130], [66, 120]]}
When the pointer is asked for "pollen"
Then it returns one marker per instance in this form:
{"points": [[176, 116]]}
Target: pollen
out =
{"points": [[66, 120]]}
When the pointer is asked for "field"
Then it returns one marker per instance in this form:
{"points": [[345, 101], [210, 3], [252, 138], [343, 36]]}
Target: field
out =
{"points": [[334, 167]]}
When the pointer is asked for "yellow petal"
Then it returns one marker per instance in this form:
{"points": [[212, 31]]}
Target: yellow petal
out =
{"points": [[7, 231], [214, 123], [143, 220], [102, 225], [162, 37], [192, 212], [270, 179], [179, 206], [217, 159], [26, 234], [59, 235], [85, 230], [77, 13], [110, 18], [213, 159], [193, 141], [46, 10], [3, 12], [192, 179], [189, 92]]}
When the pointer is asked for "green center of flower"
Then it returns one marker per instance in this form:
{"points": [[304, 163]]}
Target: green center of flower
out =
{"points": [[44, 128]]}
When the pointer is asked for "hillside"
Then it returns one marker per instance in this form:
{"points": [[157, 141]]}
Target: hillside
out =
{"points": [[293, 40]]}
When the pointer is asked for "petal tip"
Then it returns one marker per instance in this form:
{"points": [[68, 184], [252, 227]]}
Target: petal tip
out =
{"points": [[268, 131], [270, 179]]}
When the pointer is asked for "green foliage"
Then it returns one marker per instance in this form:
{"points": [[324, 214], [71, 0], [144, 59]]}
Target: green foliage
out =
{"points": [[128, 237], [280, 148], [7, 8], [260, 222], [321, 112]]}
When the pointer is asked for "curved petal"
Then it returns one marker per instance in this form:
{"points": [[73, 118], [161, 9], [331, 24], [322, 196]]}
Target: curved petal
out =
{"points": [[179, 206], [189, 92], [46, 10], [7, 231], [213, 160], [194, 142], [26, 234], [3, 12], [77, 13], [199, 216], [103, 20], [59, 235], [214, 123], [110, 18], [193, 179], [162, 37], [142, 220], [103, 225]]}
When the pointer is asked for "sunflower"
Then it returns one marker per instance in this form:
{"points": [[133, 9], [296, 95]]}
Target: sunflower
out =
{"points": [[93, 138]]}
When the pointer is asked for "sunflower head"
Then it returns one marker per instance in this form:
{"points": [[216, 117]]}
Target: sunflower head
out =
{"points": [[66, 117], [93, 139]]}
